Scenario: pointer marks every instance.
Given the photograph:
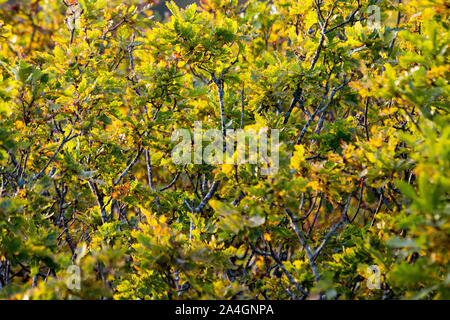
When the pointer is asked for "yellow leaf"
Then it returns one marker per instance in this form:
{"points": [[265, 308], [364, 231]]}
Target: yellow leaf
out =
{"points": [[298, 157], [227, 168], [18, 124]]}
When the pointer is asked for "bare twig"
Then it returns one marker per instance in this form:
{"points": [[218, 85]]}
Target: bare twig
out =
{"points": [[302, 239], [99, 197], [288, 275], [366, 109], [132, 163], [320, 109], [350, 19], [342, 221], [64, 140]]}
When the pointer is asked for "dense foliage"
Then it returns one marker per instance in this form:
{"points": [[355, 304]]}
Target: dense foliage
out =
{"points": [[92, 90]]}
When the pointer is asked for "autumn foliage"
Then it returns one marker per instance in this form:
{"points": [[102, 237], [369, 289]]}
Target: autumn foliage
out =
{"points": [[91, 92]]}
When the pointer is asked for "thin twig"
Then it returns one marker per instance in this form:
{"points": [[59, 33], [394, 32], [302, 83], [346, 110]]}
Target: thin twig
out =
{"points": [[302, 239], [132, 163], [341, 222]]}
